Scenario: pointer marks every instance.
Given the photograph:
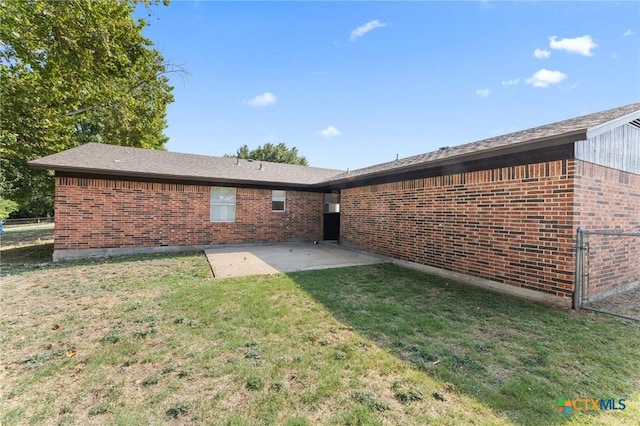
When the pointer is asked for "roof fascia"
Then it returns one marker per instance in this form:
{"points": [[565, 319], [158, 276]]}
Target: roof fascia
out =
{"points": [[559, 152], [547, 142], [190, 180]]}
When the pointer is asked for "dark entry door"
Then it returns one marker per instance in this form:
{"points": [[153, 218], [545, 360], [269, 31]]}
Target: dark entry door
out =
{"points": [[331, 216], [331, 226]]}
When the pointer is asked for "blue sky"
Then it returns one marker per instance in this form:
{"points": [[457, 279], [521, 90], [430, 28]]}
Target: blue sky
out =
{"points": [[352, 84]]}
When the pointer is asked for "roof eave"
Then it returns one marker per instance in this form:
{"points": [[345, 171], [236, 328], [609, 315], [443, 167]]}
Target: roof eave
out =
{"points": [[545, 142], [606, 126], [177, 178]]}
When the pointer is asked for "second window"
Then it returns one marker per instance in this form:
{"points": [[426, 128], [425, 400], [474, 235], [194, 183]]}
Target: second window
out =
{"points": [[277, 200]]}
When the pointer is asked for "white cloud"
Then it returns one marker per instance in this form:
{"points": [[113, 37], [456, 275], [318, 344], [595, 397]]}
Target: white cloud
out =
{"points": [[363, 29], [483, 93], [544, 78], [512, 82], [265, 99], [541, 53], [628, 33], [330, 132], [581, 45]]}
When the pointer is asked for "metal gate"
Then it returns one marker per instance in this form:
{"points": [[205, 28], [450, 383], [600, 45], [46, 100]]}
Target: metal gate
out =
{"points": [[608, 272]]}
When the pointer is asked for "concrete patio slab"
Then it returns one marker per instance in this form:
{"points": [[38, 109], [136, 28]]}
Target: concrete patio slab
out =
{"points": [[265, 259]]}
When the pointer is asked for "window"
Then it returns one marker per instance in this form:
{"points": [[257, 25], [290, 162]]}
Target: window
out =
{"points": [[332, 203], [277, 200], [223, 204], [332, 207]]}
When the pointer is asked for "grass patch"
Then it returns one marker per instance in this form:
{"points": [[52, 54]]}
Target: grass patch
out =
{"points": [[18, 235], [255, 383], [371, 400], [112, 336], [406, 394], [512, 355], [150, 381], [25, 246], [17, 259], [154, 339], [177, 410]]}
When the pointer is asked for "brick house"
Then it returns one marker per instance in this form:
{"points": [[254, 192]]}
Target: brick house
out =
{"points": [[501, 212], [111, 199]]}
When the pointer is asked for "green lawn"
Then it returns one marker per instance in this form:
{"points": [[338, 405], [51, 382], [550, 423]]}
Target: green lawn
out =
{"points": [[27, 235], [25, 246], [153, 339]]}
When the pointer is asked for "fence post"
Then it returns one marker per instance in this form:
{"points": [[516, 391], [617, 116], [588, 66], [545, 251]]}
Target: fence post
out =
{"points": [[579, 278]]}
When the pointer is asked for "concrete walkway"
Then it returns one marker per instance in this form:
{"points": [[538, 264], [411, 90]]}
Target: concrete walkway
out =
{"points": [[265, 259]]}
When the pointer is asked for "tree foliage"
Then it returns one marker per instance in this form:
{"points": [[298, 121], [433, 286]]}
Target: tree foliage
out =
{"points": [[269, 152], [73, 72], [7, 207]]}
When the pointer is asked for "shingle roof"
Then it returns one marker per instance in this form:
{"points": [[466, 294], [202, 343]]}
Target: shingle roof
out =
{"points": [[112, 160], [529, 136], [124, 161]]}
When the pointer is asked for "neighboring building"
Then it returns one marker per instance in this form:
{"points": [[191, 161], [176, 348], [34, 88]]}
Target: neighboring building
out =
{"points": [[502, 210]]}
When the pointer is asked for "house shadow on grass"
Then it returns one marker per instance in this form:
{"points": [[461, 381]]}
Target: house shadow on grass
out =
{"points": [[515, 356], [28, 254]]}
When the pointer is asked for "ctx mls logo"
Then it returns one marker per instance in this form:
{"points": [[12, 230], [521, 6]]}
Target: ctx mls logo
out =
{"points": [[589, 404]]}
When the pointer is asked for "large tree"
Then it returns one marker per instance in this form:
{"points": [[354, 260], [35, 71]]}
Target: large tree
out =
{"points": [[269, 152], [73, 72]]}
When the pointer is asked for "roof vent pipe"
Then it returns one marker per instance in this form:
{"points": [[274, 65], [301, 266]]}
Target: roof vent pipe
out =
{"points": [[260, 166]]}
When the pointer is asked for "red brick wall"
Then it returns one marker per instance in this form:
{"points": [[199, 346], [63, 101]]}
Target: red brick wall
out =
{"points": [[608, 199], [102, 213], [512, 225]]}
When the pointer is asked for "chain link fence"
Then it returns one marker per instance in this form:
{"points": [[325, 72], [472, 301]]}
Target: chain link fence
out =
{"points": [[608, 272], [27, 221]]}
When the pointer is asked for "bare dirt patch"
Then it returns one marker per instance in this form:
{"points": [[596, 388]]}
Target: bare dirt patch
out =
{"points": [[627, 303]]}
